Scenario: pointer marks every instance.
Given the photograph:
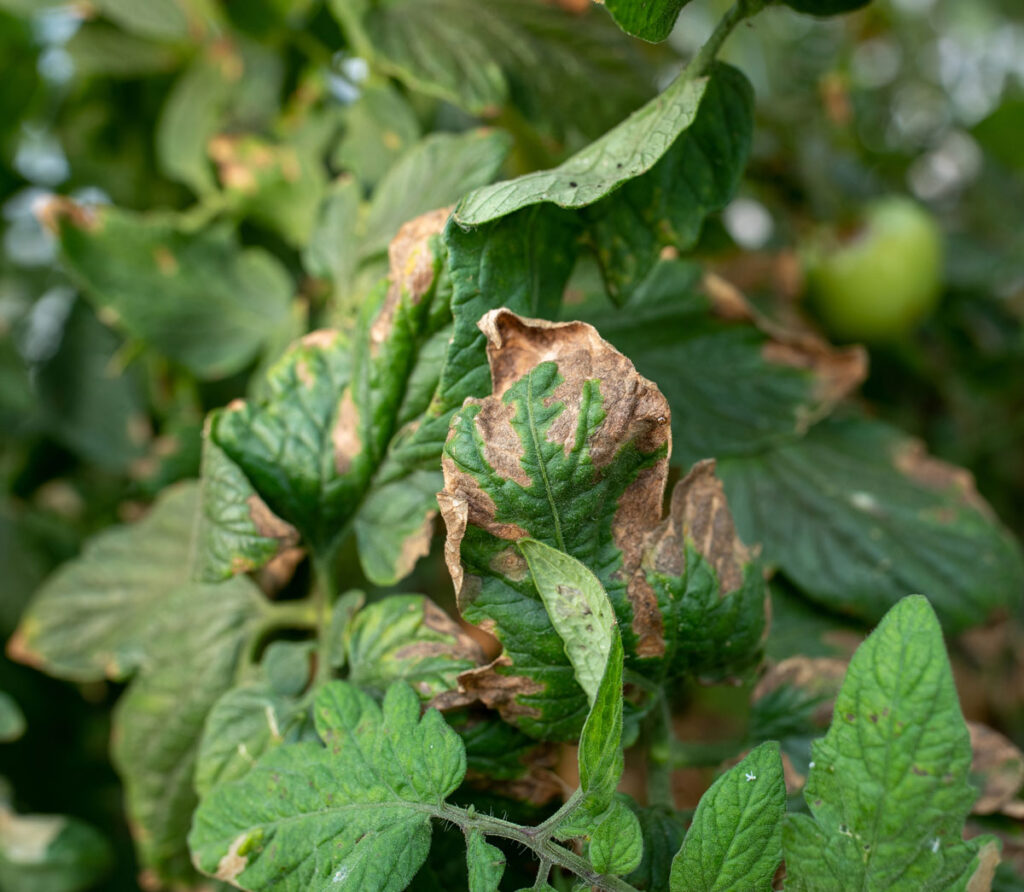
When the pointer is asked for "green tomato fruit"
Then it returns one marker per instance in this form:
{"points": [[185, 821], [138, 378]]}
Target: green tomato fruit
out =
{"points": [[879, 285]]}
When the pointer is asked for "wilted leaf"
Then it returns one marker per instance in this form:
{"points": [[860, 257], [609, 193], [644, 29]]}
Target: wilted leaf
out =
{"points": [[857, 515], [888, 788], [735, 840], [50, 853], [313, 444], [369, 791], [571, 450], [408, 638], [196, 297]]}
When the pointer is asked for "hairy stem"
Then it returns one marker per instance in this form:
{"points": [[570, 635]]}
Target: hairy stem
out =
{"points": [[542, 846]]}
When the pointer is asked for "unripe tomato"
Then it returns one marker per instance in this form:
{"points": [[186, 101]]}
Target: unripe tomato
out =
{"points": [[881, 283]]}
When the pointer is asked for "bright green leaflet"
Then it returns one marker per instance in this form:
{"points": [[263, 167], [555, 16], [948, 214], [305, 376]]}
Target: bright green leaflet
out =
{"points": [[408, 638], [888, 788], [735, 840], [370, 791], [198, 298], [578, 608], [856, 516], [600, 750], [617, 842], [228, 540], [652, 21], [197, 640], [485, 862], [91, 619]]}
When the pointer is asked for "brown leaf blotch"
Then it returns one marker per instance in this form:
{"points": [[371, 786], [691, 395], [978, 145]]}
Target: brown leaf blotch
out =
{"points": [[345, 435], [495, 690], [911, 459]]}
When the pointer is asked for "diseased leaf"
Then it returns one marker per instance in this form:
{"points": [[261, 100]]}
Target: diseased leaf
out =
{"points": [[193, 113], [578, 608], [313, 444], [736, 382], [196, 640], [279, 184], [91, 619], [571, 449], [857, 515], [368, 791], [195, 297], [646, 20], [236, 532], [735, 840], [485, 862], [600, 750], [647, 184], [50, 853], [888, 789], [408, 638], [617, 843]]}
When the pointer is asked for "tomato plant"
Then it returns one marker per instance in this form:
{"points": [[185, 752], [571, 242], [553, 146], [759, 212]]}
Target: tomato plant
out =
{"points": [[421, 488]]}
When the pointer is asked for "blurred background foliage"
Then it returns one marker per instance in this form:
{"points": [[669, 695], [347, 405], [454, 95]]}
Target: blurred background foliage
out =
{"points": [[280, 160]]}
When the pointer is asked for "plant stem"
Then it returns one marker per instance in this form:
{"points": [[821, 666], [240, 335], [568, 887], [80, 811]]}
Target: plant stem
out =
{"points": [[660, 741], [699, 64], [546, 850]]}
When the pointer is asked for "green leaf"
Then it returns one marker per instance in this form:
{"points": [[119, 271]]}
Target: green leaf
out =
{"points": [[313, 443], [736, 384], [408, 638], [50, 853], [617, 843], [648, 21], [571, 450], [332, 252], [256, 716], [196, 297], [91, 619], [578, 608], [236, 531], [100, 50], [477, 57], [192, 114], [663, 830], [379, 127], [888, 789], [196, 641], [434, 173], [369, 791], [12, 721], [856, 515], [735, 840], [155, 19], [485, 862], [600, 750]]}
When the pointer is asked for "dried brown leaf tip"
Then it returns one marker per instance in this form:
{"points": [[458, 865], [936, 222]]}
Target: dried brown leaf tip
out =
{"points": [[836, 371], [911, 459]]}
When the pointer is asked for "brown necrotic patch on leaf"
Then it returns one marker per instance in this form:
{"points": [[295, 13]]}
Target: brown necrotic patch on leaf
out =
{"points": [[50, 213], [912, 459], [494, 689], [268, 524], [999, 765], [502, 447], [345, 434]]}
